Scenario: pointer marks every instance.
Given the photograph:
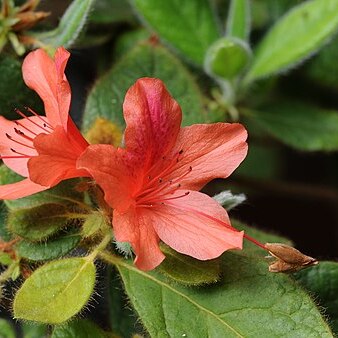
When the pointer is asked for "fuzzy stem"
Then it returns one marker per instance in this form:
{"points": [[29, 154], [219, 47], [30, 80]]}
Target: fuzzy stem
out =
{"points": [[109, 258], [101, 246]]}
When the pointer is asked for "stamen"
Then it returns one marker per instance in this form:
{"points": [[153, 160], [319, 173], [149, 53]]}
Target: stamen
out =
{"points": [[22, 126], [166, 170], [19, 132], [159, 199], [19, 156], [30, 120], [15, 141], [176, 197], [17, 152], [45, 123], [181, 176], [165, 189]]}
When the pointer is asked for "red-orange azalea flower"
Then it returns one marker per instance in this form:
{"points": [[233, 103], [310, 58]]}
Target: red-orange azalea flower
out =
{"points": [[44, 149], [152, 184]]}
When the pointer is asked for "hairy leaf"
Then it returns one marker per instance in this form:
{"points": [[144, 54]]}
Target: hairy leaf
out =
{"points": [[322, 282], [297, 35], [56, 292], [106, 98], [248, 301], [238, 24], [123, 320], [48, 250], [70, 26], [298, 125], [187, 270], [6, 329], [37, 223], [78, 329], [111, 11], [189, 26]]}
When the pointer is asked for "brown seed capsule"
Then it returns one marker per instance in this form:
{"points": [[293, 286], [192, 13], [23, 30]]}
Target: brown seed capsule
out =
{"points": [[288, 258]]}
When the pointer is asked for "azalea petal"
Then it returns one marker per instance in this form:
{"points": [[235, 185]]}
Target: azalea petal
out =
{"points": [[133, 227], [18, 135], [208, 152], [20, 189], [153, 121], [56, 160], [46, 76], [195, 225], [111, 170]]}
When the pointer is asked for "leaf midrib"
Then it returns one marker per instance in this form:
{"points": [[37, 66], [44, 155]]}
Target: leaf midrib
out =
{"points": [[210, 313]]}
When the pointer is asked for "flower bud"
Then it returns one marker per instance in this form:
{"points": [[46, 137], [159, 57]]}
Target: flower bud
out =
{"points": [[227, 58]]}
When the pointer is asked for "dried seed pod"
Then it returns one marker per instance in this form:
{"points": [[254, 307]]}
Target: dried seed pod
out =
{"points": [[288, 259]]}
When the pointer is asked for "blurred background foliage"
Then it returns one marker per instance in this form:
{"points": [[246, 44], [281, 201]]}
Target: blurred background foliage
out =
{"points": [[271, 66]]}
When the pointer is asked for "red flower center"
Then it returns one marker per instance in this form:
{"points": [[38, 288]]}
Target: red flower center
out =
{"points": [[158, 189]]}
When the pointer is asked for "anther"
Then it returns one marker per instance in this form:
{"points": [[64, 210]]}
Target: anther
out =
{"points": [[180, 152], [8, 136], [160, 180], [30, 120], [16, 152], [17, 131]]}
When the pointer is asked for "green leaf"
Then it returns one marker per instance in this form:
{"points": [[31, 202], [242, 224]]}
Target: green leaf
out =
{"points": [[70, 26], [6, 329], [111, 11], [322, 282], [129, 40], [93, 224], [238, 24], [227, 58], [123, 320], [187, 270], [322, 68], [106, 98], [189, 26], [32, 330], [13, 91], [78, 329], [294, 37], [63, 193], [298, 125], [247, 302], [5, 235], [37, 223], [265, 13], [56, 291], [54, 248], [5, 258]]}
